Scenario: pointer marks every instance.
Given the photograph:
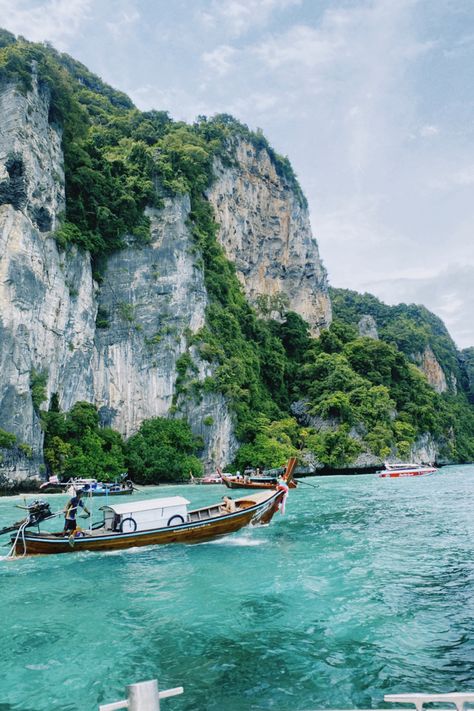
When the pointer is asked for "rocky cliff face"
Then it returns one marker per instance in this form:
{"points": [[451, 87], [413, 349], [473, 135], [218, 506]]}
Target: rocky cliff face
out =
{"points": [[432, 370], [265, 231], [367, 327], [117, 344], [47, 298], [467, 361], [152, 298]]}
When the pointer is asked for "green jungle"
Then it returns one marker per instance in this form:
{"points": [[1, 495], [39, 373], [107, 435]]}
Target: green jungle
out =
{"points": [[369, 392]]}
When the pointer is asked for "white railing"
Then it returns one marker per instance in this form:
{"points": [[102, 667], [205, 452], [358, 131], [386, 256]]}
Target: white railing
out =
{"points": [[143, 696], [419, 700]]}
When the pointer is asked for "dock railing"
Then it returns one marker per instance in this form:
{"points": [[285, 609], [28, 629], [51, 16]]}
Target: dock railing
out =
{"points": [[457, 699], [143, 696]]}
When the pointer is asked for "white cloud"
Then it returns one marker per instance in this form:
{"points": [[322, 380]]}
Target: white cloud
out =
{"points": [[121, 24], [302, 46], [54, 20], [453, 179], [238, 16], [220, 59], [429, 130]]}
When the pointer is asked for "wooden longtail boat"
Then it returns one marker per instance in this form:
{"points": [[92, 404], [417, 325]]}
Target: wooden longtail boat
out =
{"points": [[153, 522], [261, 482], [210, 479], [252, 482]]}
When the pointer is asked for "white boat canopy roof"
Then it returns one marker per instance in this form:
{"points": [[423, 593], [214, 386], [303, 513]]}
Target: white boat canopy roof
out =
{"points": [[147, 505]]}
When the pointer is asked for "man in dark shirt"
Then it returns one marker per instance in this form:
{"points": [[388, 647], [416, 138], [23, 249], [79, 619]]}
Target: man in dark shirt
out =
{"points": [[70, 512]]}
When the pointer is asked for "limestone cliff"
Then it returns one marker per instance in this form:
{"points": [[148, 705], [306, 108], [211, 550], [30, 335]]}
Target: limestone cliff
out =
{"points": [[265, 231], [116, 344], [367, 327], [432, 370], [46, 298], [151, 299]]}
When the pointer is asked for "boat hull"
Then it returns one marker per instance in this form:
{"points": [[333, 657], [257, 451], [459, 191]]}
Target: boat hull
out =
{"points": [[257, 511], [232, 483], [402, 473]]}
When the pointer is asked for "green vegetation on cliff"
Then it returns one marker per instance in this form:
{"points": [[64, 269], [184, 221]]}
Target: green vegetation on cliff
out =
{"points": [[117, 159], [76, 446], [409, 327]]}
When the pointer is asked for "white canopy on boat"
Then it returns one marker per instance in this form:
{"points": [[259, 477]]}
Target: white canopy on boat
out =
{"points": [[147, 505]]}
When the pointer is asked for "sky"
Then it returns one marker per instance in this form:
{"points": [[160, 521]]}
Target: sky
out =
{"points": [[372, 101]]}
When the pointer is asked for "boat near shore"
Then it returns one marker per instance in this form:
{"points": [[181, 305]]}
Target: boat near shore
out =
{"points": [[253, 482], [400, 470], [261, 481], [208, 479], [88, 486], [153, 522]]}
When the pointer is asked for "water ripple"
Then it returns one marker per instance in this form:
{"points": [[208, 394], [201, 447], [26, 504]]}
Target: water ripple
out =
{"points": [[364, 587]]}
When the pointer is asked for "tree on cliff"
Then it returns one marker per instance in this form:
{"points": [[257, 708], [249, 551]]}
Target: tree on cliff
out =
{"points": [[163, 450]]}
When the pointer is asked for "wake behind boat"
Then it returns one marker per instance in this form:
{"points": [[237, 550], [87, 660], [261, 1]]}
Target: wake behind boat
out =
{"points": [[154, 522], [400, 470]]}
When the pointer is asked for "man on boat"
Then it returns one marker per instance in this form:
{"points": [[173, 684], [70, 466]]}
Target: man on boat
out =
{"points": [[70, 512], [229, 504]]}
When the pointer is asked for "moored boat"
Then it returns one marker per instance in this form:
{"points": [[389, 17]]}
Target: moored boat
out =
{"points": [[261, 481], [208, 479], [253, 482], [92, 487], [400, 470], [89, 486], [154, 522]]}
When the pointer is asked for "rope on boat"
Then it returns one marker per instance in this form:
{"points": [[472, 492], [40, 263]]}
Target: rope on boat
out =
{"points": [[21, 532], [314, 486]]}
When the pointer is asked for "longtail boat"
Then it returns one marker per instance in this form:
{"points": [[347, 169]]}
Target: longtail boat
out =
{"points": [[261, 482], [253, 482], [209, 479], [92, 487], [153, 522]]}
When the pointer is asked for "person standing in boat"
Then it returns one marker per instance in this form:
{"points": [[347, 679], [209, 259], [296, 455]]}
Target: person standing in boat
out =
{"points": [[282, 485], [70, 513]]}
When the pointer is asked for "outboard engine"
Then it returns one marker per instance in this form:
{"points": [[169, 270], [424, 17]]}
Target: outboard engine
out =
{"points": [[38, 510]]}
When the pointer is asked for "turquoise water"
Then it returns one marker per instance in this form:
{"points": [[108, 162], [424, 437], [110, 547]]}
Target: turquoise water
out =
{"points": [[364, 587]]}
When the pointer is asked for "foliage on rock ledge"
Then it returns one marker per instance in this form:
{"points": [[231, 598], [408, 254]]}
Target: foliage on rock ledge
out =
{"points": [[76, 446]]}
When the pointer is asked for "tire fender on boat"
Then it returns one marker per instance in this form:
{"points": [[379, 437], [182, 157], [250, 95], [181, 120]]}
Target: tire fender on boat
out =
{"points": [[129, 524], [177, 520]]}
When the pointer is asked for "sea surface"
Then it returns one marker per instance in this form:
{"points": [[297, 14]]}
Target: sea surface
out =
{"points": [[364, 587]]}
